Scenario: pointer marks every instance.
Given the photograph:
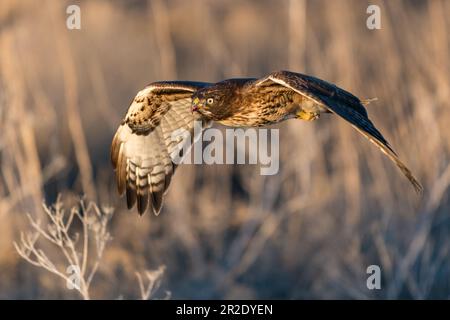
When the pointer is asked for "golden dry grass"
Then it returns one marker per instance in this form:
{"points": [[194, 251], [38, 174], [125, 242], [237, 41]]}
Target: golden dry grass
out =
{"points": [[337, 206]]}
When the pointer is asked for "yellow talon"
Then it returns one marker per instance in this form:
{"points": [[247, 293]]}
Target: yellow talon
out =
{"points": [[365, 102], [308, 116]]}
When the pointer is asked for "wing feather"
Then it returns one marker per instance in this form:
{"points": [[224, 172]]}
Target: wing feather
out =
{"points": [[343, 104], [142, 147]]}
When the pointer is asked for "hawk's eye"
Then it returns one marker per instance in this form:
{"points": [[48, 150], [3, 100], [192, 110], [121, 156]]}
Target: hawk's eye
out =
{"points": [[210, 101]]}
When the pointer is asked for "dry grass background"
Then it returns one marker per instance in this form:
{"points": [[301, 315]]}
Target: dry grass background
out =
{"points": [[337, 206]]}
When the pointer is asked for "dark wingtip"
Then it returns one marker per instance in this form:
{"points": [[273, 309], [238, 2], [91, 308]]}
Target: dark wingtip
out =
{"points": [[142, 203], [131, 198], [417, 186], [157, 200], [415, 183], [156, 211]]}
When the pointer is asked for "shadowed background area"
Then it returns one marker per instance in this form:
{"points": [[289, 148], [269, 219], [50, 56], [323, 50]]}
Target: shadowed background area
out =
{"points": [[337, 205]]}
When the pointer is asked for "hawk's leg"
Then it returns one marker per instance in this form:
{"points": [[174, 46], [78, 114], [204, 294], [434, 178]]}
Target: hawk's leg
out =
{"points": [[308, 116]]}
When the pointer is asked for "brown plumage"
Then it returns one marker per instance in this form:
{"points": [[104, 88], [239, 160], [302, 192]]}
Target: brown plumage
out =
{"points": [[141, 148]]}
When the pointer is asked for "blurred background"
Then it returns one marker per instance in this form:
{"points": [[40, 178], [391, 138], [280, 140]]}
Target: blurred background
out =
{"points": [[337, 205]]}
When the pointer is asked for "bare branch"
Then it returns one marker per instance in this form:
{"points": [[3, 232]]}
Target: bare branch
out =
{"points": [[153, 279], [58, 232]]}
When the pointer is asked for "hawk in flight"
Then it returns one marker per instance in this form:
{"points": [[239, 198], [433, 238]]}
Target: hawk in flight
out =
{"points": [[142, 146]]}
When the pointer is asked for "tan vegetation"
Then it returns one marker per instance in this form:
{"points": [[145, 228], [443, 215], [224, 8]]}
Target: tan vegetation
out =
{"points": [[337, 206]]}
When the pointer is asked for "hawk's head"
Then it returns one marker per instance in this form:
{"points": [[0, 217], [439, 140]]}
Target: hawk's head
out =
{"points": [[215, 102]]}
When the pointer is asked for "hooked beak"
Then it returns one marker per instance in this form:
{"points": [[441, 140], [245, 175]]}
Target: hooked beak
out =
{"points": [[196, 104]]}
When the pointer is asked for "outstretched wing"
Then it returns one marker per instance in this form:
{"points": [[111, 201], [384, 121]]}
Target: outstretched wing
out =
{"points": [[144, 146], [343, 104]]}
